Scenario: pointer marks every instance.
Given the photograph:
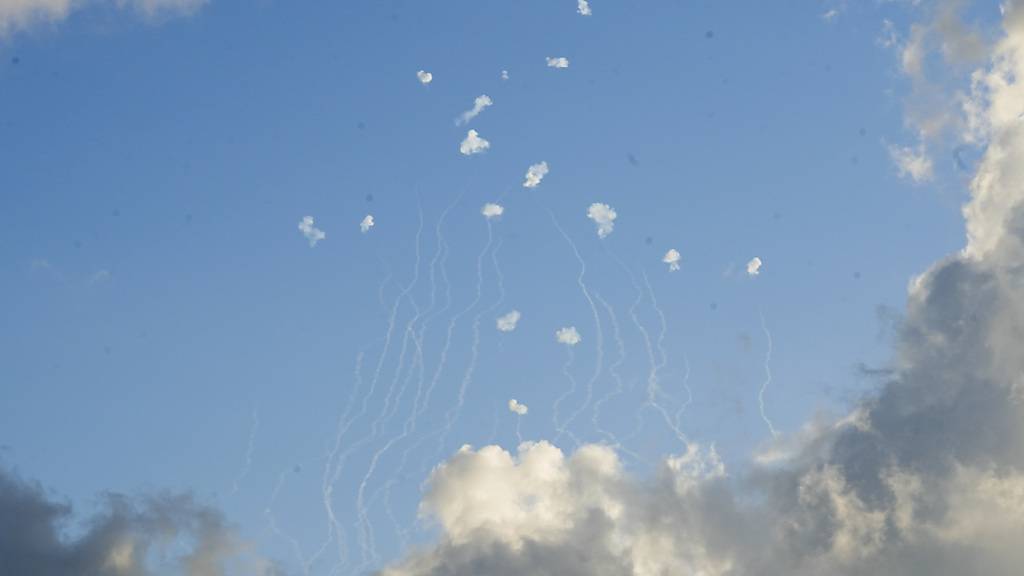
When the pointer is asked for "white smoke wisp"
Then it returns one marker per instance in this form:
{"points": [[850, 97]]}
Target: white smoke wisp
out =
{"points": [[672, 258], [491, 210], [557, 62], [568, 336], [311, 232], [473, 144], [518, 407], [534, 174], [583, 8], [481, 102], [754, 266], [604, 217], [424, 77], [366, 224], [508, 322]]}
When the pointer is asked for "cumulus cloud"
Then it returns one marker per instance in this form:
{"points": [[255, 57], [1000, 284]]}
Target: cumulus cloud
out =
{"points": [[491, 210], [473, 144], [568, 335], [672, 258], [21, 14], [128, 537], [424, 77], [507, 322], [559, 62], [913, 163], [754, 266], [534, 174], [517, 407], [924, 476], [311, 232], [583, 8], [604, 216], [481, 102], [366, 224]]}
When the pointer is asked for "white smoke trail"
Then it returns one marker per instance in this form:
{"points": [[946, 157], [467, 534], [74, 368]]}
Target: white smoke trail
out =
{"points": [[613, 369], [768, 377], [253, 429], [689, 393], [599, 362], [653, 387]]}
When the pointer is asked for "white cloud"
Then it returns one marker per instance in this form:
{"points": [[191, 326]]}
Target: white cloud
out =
{"points": [[312, 233], [21, 14], [583, 7], [559, 62], [507, 323], [473, 144], [481, 102], [534, 174], [504, 74], [672, 258], [913, 163], [424, 77], [517, 407], [604, 216], [754, 266], [568, 335], [491, 210], [830, 16], [366, 224]]}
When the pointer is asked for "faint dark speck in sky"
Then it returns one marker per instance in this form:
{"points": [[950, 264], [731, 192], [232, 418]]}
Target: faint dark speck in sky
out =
{"points": [[361, 125], [709, 34], [862, 132], [369, 198], [16, 60], [632, 159], [648, 240], [713, 305], [115, 212]]}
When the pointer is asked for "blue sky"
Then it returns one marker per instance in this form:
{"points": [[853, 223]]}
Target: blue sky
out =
{"points": [[160, 298]]}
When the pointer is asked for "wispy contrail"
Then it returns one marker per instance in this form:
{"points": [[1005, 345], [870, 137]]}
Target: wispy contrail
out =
{"points": [[768, 377], [253, 429]]}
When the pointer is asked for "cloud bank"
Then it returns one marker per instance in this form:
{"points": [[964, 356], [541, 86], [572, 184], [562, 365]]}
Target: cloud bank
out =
{"points": [[21, 14]]}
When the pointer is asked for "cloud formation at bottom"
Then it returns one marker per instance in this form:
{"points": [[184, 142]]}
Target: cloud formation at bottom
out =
{"points": [[130, 537]]}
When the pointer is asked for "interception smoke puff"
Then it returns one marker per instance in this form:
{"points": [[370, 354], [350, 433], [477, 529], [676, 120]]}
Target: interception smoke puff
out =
{"points": [[366, 224], [491, 210], [507, 323], [559, 62], [672, 258], [534, 174], [473, 144], [604, 216], [481, 102], [583, 7], [754, 266], [504, 74], [425, 77], [518, 408], [312, 233], [912, 163], [568, 335]]}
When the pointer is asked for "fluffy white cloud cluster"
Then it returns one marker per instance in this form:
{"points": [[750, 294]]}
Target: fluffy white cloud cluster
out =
{"points": [[311, 232], [604, 217], [672, 258], [366, 224], [583, 8], [568, 335], [508, 322], [473, 144], [424, 77], [534, 174], [559, 62], [913, 163], [481, 102], [517, 407]]}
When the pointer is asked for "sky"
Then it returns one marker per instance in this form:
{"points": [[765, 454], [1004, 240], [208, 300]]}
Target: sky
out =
{"points": [[511, 287]]}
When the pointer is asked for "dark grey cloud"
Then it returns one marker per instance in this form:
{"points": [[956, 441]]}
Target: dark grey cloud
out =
{"points": [[127, 537]]}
